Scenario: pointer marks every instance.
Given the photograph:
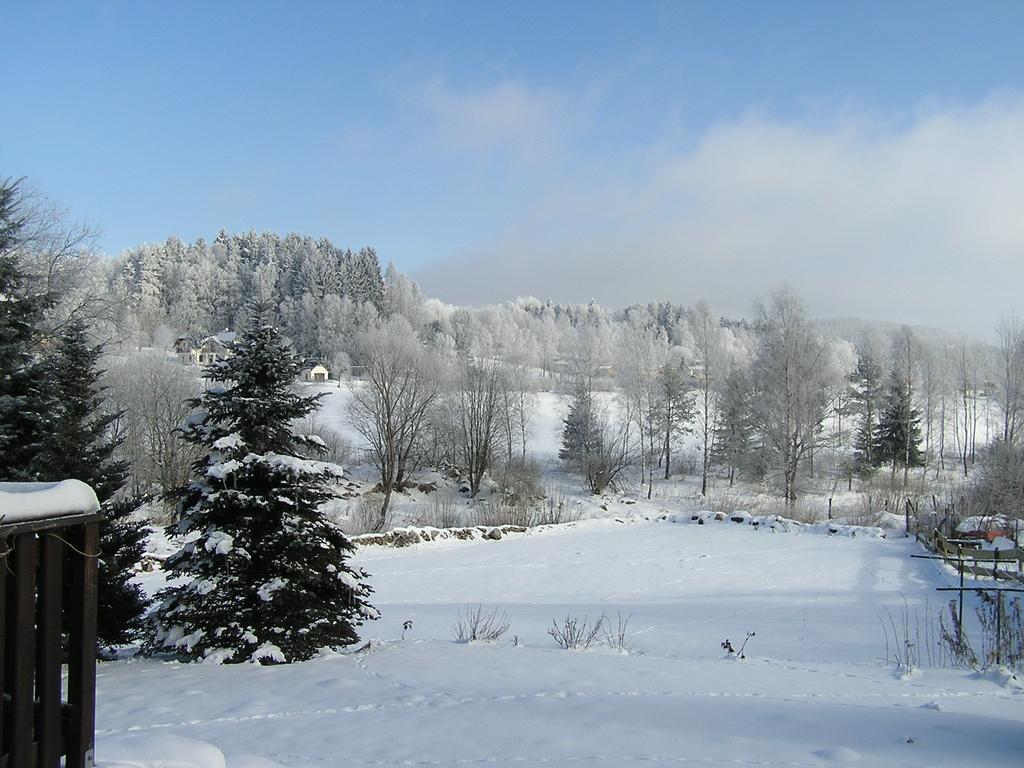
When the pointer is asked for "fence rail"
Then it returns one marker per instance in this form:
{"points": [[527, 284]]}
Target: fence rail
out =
{"points": [[48, 612]]}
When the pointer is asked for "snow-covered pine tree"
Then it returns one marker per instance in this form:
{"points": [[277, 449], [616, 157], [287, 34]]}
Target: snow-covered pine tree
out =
{"points": [[265, 576], [363, 280], [78, 444]]}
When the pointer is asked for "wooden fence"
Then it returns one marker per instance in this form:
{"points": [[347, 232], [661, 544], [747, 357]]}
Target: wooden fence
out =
{"points": [[967, 554], [48, 612]]}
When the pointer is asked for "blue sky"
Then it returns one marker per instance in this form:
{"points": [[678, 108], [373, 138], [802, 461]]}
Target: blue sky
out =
{"points": [[475, 143]]}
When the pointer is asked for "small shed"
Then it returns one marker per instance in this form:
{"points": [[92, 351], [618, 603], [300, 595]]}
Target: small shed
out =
{"points": [[47, 529], [318, 373]]}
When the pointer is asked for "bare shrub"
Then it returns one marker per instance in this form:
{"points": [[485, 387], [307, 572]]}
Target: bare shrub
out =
{"points": [[1002, 631], [727, 502], [521, 480], [955, 642], [555, 509], [909, 643], [551, 510], [617, 636], [497, 511], [443, 512], [804, 510], [480, 625], [365, 517], [903, 649], [576, 634]]}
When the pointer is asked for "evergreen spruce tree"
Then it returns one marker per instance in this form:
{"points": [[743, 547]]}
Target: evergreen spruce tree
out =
{"points": [[23, 397], [898, 439], [78, 444], [865, 396], [732, 442], [264, 576], [578, 431]]}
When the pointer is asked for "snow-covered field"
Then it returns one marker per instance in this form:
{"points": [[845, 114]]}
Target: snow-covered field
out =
{"points": [[812, 691]]}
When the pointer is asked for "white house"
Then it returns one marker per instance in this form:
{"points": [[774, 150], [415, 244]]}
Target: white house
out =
{"points": [[196, 349]]}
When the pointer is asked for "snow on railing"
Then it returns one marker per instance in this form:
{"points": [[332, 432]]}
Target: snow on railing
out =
{"points": [[20, 502]]}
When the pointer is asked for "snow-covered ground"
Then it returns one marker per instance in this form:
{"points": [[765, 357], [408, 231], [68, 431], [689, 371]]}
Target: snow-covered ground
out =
{"points": [[812, 691]]}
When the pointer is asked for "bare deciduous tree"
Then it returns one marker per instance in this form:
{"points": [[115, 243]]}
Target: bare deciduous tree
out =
{"points": [[389, 409], [478, 398], [152, 393], [1011, 376]]}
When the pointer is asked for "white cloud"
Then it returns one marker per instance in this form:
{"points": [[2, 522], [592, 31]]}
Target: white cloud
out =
{"points": [[505, 116], [918, 222]]}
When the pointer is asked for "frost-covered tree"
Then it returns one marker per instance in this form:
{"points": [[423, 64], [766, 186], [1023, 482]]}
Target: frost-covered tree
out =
{"points": [[710, 346], [792, 376], [261, 576], [1010, 380], [643, 351]]}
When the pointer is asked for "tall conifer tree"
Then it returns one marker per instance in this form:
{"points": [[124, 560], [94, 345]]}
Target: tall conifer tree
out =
{"points": [[866, 395], [899, 430], [78, 444], [264, 576], [23, 412]]}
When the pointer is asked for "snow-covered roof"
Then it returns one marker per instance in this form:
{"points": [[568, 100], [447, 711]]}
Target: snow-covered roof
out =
{"points": [[21, 502]]}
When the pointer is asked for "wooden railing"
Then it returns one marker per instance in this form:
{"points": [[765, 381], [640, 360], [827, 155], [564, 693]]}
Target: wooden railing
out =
{"points": [[48, 612]]}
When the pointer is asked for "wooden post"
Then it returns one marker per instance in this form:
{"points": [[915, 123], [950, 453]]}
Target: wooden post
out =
{"points": [[24, 637], [48, 661], [82, 647], [5, 550], [960, 613], [999, 627]]}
